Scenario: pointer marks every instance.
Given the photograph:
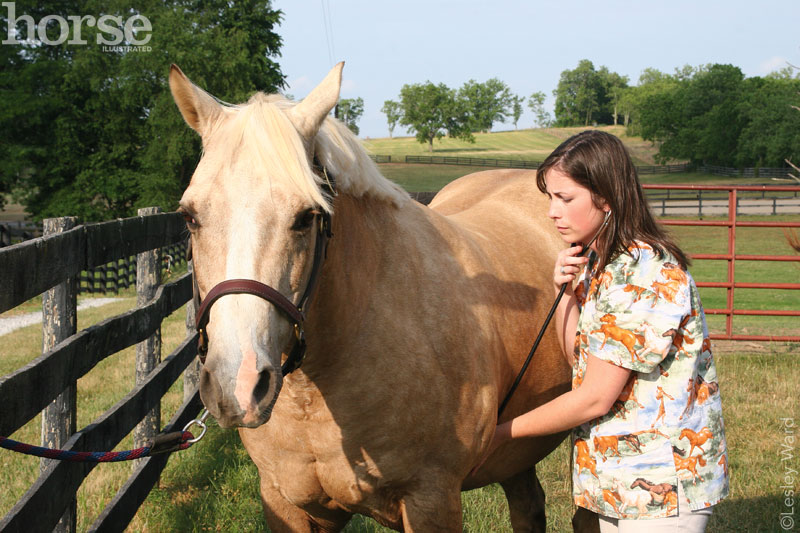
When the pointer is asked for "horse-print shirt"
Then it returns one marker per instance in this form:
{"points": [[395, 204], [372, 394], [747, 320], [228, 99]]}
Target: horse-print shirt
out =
{"points": [[643, 313]]}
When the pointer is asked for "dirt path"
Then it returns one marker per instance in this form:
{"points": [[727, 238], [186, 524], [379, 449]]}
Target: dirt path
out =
{"points": [[7, 325]]}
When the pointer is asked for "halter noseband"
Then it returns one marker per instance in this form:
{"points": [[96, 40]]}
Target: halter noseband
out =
{"points": [[295, 313]]}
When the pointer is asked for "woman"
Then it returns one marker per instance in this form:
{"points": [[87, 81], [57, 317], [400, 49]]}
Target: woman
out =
{"points": [[648, 440]]}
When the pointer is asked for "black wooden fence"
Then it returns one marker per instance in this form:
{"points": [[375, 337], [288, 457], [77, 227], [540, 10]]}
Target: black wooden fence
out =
{"points": [[121, 274], [104, 279], [51, 265], [14, 231]]}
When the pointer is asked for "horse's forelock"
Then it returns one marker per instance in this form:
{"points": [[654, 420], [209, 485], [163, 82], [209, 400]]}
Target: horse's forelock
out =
{"points": [[261, 128], [260, 131]]}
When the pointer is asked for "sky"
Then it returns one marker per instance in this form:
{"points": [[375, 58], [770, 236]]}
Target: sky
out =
{"points": [[526, 44]]}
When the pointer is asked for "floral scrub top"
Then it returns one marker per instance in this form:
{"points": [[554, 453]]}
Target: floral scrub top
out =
{"points": [[666, 426]]}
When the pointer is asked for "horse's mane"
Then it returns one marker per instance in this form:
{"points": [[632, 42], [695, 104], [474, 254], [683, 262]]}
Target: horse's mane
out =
{"points": [[261, 128]]}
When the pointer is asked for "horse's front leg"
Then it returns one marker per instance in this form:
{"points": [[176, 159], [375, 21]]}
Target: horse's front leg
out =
{"points": [[525, 497], [283, 516]]}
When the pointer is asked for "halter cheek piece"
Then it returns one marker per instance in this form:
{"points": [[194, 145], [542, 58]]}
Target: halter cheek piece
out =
{"points": [[295, 313]]}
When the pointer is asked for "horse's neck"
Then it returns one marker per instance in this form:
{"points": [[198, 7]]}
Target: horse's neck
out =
{"points": [[366, 232]]}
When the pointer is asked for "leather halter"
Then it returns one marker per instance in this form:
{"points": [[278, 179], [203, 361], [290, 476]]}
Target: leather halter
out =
{"points": [[295, 313]]}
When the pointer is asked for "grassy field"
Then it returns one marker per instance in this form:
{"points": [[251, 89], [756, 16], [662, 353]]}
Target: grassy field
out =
{"points": [[527, 144], [214, 486]]}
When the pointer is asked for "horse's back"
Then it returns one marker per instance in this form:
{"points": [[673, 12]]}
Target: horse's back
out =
{"points": [[513, 188], [506, 201]]}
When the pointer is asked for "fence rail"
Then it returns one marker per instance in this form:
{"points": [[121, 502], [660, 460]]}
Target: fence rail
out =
{"points": [[748, 172], [53, 261], [731, 257]]}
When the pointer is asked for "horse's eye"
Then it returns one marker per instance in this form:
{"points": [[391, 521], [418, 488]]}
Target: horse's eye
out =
{"points": [[304, 219], [191, 222]]}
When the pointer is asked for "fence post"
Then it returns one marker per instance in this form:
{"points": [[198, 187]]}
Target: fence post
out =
{"points": [[148, 352], [700, 204], [191, 376], [59, 321], [774, 205]]}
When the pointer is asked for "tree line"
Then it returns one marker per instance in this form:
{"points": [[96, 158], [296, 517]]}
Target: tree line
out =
{"points": [[710, 114]]}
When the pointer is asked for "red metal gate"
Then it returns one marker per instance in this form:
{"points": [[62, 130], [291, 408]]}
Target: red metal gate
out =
{"points": [[732, 257]]}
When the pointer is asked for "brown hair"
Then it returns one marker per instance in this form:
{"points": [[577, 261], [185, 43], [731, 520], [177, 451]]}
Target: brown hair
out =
{"points": [[599, 162]]}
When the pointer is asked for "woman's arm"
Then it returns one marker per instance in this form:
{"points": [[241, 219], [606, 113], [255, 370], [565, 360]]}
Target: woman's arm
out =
{"points": [[602, 384]]}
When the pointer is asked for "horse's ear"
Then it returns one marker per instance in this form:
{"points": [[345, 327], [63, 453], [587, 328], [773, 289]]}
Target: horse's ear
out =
{"points": [[199, 109], [307, 116]]}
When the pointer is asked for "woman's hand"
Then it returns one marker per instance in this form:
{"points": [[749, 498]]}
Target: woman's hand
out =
{"points": [[502, 433], [568, 265]]}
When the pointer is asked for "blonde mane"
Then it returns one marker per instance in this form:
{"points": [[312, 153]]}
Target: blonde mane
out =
{"points": [[262, 129]]}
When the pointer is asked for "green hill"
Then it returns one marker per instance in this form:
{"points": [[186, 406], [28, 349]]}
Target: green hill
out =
{"points": [[530, 144]]}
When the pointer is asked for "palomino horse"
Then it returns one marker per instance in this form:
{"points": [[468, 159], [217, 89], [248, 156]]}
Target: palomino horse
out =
{"points": [[420, 319]]}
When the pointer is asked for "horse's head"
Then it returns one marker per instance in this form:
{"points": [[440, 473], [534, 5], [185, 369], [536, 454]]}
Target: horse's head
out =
{"points": [[252, 208]]}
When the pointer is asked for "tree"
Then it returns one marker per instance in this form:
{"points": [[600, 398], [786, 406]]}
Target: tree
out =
{"points": [[516, 108], [393, 112], [536, 103], [615, 87], [586, 95], [577, 95], [486, 103], [349, 111], [651, 81], [93, 132], [695, 118], [430, 111], [771, 131]]}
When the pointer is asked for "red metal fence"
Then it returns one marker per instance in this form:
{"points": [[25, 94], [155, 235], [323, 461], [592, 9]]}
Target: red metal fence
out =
{"points": [[731, 257]]}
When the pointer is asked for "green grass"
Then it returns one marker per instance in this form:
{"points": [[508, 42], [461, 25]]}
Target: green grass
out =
{"points": [[527, 144]]}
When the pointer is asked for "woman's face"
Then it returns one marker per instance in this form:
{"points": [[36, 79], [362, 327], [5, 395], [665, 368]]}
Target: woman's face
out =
{"points": [[576, 217]]}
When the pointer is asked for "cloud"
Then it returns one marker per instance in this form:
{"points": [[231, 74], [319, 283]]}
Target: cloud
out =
{"points": [[772, 64], [348, 85]]}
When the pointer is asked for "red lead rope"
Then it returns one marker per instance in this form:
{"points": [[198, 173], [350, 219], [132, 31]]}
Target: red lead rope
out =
{"points": [[164, 443], [170, 442]]}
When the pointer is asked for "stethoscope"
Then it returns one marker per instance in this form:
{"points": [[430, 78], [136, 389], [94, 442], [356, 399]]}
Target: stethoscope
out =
{"points": [[547, 320]]}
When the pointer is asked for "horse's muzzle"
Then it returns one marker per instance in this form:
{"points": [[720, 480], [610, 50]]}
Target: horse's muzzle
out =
{"points": [[244, 408]]}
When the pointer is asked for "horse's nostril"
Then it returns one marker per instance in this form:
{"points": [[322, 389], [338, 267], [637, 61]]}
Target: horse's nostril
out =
{"points": [[262, 386]]}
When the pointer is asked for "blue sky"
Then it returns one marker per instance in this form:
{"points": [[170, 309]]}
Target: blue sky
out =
{"points": [[526, 44]]}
